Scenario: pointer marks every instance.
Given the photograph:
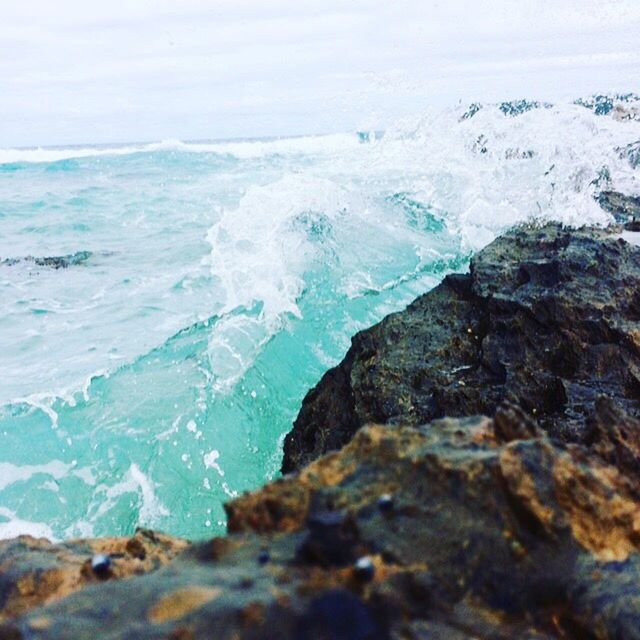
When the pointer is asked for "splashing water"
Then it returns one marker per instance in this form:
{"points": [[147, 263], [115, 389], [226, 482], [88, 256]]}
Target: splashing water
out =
{"points": [[153, 377]]}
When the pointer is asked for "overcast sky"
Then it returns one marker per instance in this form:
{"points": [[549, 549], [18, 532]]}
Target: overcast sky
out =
{"points": [[82, 71]]}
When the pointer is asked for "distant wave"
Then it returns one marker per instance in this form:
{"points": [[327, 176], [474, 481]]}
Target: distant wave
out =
{"points": [[240, 148]]}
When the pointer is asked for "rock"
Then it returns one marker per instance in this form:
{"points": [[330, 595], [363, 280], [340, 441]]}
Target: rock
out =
{"points": [[621, 106], [518, 107], [547, 318], [625, 209], [54, 262], [631, 152], [527, 538], [34, 572]]}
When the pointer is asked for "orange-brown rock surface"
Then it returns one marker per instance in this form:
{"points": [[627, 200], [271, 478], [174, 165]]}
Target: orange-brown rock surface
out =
{"points": [[35, 572]]}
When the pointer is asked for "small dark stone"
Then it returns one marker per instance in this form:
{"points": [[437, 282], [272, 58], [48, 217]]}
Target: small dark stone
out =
{"points": [[332, 538], [101, 565], [364, 569], [338, 615], [10, 632], [385, 502], [263, 556], [246, 582], [326, 520]]}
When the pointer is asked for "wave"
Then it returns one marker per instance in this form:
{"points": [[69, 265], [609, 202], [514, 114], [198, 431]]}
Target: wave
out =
{"points": [[241, 149], [489, 170], [473, 172]]}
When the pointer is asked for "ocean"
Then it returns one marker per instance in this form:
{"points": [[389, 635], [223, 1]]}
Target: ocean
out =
{"points": [[166, 306]]}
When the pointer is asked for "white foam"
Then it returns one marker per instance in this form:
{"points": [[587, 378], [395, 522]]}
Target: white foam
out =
{"points": [[43, 402], [150, 508], [15, 526], [491, 171], [483, 174], [211, 461], [12, 473], [259, 253]]}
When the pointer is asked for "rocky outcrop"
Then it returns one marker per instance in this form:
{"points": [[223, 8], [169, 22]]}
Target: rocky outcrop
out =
{"points": [[463, 528], [547, 318], [35, 572], [404, 524]]}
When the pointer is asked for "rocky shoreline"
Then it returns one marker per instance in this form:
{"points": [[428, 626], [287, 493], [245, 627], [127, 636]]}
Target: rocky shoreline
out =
{"points": [[470, 470]]}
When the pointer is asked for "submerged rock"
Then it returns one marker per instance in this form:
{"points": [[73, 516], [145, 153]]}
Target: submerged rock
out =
{"points": [[547, 318], [54, 262]]}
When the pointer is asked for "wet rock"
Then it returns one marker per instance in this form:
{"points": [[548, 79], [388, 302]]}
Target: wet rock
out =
{"points": [[385, 503], [615, 437], [332, 539], [364, 569], [547, 318], [618, 104], [631, 152], [625, 209], [518, 107], [101, 565], [53, 262], [338, 615]]}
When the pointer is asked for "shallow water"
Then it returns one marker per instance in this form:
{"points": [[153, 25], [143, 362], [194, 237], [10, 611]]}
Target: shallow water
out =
{"points": [[152, 373]]}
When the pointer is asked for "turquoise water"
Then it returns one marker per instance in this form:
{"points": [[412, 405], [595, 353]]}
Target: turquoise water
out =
{"points": [[205, 287]]}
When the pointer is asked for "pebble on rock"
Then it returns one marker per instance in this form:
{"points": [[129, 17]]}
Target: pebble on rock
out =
{"points": [[364, 569], [101, 565], [385, 502]]}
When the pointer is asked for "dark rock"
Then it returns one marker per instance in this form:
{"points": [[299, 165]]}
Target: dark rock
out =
{"points": [[518, 107], [471, 111], [34, 571], [631, 152], [529, 538], [364, 569], [604, 104], [625, 209], [332, 539], [101, 565], [54, 262], [338, 615], [615, 437], [385, 503], [546, 319]]}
